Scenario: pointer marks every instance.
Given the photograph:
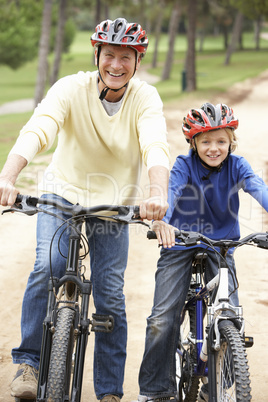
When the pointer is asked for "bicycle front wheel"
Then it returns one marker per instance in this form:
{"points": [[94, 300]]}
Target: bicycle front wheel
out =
{"points": [[60, 367], [232, 371]]}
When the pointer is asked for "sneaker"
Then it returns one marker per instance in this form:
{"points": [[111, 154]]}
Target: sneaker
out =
{"points": [[110, 398], [203, 393], [24, 384]]}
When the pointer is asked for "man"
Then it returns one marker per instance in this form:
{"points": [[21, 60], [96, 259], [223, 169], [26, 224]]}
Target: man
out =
{"points": [[106, 123]]}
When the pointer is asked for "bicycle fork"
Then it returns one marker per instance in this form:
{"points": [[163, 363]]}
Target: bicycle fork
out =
{"points": [[73, 284], [81, 333]]}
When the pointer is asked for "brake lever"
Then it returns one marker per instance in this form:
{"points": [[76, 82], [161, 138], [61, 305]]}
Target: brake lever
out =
{"points": [[191, 239], [127, 215], [261, 241], [24, 207]]}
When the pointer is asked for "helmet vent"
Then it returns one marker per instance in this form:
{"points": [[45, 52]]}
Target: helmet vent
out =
{"points": [[197, 116], [105, 27], [210, 113], [102, 35], [118, 26], [132, 30]]}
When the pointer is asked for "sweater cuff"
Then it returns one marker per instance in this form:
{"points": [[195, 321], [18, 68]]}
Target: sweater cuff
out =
{"points": [[26, 146], [157, 157]]}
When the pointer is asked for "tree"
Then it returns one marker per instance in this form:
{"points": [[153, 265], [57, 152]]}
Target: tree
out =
{"points": [[237, 29], [173, 28], [222, 13], [59, 40], [43, 52], [19, 30], [157, 31], [190, 56], [255, 10]]}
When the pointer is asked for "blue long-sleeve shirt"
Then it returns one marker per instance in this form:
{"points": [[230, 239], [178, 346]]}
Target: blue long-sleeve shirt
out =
{"points": [[210, 204]]}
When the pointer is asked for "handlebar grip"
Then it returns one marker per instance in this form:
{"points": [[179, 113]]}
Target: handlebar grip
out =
{"points": [[151, 235], [19, 198], [137, 210]]}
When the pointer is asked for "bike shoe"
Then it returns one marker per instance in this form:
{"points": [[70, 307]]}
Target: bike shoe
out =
{"points": [[24, 384]]}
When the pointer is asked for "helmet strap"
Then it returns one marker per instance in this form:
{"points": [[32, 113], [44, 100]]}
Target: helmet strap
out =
{"points": [[106, 89]]}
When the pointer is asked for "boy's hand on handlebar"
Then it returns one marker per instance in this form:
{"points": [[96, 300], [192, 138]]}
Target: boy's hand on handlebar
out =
{"points": [[153, 208], [8, 192], [165, 233]]}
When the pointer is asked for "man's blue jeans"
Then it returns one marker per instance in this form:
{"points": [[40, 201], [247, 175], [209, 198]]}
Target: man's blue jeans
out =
{"points": [[108, 243], [157, 377]]}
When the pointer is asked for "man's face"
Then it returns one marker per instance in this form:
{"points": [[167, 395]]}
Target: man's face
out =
{"points": [[117, 65]]}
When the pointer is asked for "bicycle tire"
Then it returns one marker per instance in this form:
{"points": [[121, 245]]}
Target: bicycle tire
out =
{"points": [[60, 366], [231, 365], [187, 382]]}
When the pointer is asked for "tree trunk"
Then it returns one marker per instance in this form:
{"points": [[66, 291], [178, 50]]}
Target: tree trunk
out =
{"points": [[97, 20], [190, 57], [59, 41], [43, 52], [237, 29], [173, 27], [225, 36], [257, 32], [158, 32]]}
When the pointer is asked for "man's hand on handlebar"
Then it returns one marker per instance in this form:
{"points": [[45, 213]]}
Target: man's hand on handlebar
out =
{"points": [[8, 192], [153, 208]]}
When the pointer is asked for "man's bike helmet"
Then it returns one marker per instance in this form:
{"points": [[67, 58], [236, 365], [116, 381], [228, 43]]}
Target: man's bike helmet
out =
{"points": [[208, 118], [120, 32]]}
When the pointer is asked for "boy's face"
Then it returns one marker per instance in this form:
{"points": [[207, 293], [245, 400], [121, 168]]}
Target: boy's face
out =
{"points": [[213, 146]]}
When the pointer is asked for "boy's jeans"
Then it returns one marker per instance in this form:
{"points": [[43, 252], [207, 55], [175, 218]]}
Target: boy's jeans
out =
{"points": [[108, 242], [157, 376]]}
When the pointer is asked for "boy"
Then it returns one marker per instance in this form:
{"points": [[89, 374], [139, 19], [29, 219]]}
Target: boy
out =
{"points": [[203, 197]]}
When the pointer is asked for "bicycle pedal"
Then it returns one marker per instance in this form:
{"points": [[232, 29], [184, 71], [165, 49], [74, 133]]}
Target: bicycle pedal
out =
{"points": [[102, 323], [249, 341]]}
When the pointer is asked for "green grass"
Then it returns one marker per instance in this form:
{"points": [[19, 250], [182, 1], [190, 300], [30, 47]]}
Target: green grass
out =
{"points": [[10, 126], [212, 76]]}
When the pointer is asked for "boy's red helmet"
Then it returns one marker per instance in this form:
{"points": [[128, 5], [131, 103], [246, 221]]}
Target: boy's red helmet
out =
{"points": [[208, 118], [120, 32]]}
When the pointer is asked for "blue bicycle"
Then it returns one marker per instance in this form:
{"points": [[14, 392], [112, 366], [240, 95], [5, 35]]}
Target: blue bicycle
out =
{"points": [[212, 344]]}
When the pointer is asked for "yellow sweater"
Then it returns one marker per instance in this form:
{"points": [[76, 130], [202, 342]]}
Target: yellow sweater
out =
{"points": [[98, 157]]}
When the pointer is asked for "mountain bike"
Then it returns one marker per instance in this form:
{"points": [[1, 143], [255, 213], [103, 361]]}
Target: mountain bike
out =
{"points": [[212, 344], [67, 324]]}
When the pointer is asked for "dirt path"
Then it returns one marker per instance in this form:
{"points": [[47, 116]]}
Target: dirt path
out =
{"points": [[17, 234]]}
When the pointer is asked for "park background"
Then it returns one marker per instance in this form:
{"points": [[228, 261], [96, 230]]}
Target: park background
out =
{"points": [[199, 50]]}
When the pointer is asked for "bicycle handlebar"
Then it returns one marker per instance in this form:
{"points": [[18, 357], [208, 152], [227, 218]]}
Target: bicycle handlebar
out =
{"points": [[194, 238], [125, 213]]}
